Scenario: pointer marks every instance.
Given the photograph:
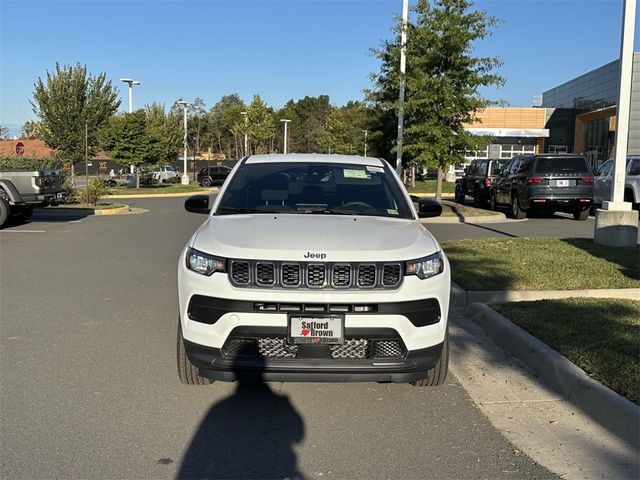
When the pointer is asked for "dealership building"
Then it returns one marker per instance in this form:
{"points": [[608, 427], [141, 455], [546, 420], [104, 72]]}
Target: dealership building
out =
{"points": [[578, 116]]}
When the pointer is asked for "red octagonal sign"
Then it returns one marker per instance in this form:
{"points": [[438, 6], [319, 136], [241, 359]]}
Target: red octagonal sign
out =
{"points": [[20, 149]]}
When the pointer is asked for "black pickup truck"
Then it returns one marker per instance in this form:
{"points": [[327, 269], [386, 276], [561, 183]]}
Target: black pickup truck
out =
{"points": [[20, 191], [477, 180]]}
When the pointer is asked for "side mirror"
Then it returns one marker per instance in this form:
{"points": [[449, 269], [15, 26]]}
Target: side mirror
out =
{"points": [[428, 207], [197, 204]]}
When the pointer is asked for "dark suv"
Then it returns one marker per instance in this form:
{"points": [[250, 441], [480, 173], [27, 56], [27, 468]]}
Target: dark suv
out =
{"points": [[547, 183], [477, 180], [212, 175]]}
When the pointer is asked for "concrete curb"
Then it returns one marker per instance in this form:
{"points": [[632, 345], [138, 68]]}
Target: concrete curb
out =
{"points": [[490, 218], [77, 212], [166, 195], [445, 196], [530, 295], [611, 410]]}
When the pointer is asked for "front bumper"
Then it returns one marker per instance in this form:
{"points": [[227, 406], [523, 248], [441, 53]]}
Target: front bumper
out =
{"points": [[212, 364]]}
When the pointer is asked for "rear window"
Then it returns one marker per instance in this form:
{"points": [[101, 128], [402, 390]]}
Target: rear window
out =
{"points": [[497, 165], [561, 165]]}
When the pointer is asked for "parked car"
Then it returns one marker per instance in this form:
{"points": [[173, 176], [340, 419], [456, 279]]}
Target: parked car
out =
{"points": [[313, 268], [20, 191], [547, 183], [213, 175], [477, 179], [604, 179]]}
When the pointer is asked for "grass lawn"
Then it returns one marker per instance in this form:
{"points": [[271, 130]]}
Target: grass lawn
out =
{"points": [[452, 209], [429, 186], [159, 188], [87, 206], [541, 264], [601, 336]]}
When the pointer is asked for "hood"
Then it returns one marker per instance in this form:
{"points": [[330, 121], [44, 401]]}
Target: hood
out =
{"points": [[307, 237]]}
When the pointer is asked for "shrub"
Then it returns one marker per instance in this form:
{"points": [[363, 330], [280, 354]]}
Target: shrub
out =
{"points": [[173, 180], [97, 189], [71, 193], [26, 164]]}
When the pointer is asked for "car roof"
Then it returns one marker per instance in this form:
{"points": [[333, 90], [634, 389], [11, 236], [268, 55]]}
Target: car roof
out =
{"points": [[315, 158]]}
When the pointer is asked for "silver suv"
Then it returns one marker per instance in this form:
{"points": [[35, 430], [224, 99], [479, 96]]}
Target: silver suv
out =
{"points": [[604, 180]]}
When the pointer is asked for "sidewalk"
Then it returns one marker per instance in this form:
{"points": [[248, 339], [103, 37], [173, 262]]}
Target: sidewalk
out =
{"points": [[614, 412], [537, 420]]}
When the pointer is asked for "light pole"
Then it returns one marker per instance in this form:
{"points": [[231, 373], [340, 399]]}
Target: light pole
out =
{"points": [[403, 62], [185, 175], [246, 136], [366, 132], [131, 83], [616, 223], [286, 138]]}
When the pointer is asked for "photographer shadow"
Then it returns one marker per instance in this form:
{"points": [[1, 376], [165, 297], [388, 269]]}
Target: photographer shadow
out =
{"points": [[249, 434]]}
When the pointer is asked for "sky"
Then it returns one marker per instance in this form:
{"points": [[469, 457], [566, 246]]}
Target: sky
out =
{"points": [[278, 49]]}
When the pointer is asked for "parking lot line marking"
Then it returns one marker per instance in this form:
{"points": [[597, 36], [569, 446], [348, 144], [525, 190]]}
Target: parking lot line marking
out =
{"points": [[24, 231]]}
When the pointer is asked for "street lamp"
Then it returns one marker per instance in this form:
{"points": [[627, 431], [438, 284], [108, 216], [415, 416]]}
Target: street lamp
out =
{"points": [[185, 107], [131, 83], [246, 137], [403, 62], [366, 132], [286, 138]]}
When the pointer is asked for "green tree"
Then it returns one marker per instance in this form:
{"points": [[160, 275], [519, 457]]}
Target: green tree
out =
{"points": [[125, 139], [443, 78], [223, 117], [164, 134], [4, 132], [334, 138], [67, 100], [260, 124]]}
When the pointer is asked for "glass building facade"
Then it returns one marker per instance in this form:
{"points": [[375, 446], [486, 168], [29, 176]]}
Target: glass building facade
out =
{"points": [[582, 113], [596, 89]]}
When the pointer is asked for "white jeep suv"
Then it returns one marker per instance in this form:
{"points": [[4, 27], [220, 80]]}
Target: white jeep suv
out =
{"points": [[313, 268]]}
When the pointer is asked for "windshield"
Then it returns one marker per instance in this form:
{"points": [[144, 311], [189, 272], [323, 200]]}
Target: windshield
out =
{"points": [[319, 188], [561, 165]]}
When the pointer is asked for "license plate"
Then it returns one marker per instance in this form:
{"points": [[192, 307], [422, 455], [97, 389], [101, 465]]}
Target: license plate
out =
{"points": [[316, 329], [562, 183]]}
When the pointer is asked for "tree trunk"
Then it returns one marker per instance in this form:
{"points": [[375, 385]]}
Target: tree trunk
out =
{"points": [[413, 176], [439, 183], [137, 170]]}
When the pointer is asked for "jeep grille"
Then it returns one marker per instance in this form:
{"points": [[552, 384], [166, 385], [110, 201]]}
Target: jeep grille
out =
{"points": [[250, 273]]}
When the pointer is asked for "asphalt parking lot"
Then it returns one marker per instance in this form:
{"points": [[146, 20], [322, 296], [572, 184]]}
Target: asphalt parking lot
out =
{"points": [[89, 386]]}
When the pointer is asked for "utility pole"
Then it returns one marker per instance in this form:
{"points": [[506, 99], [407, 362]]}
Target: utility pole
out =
{"points": [[185, 174], [286, 138], [86, 159], [616, 223], [246, 135], [403, 65], [366, 132], [131, 83]]}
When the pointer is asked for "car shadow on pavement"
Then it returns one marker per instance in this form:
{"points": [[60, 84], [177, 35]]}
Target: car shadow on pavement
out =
{"points": [[248, 435]]}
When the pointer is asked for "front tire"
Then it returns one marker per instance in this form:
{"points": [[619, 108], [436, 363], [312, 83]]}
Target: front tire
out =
{"points": [[493, 205], [187, 372], [206, 182], [5, 212], [516, 211], [438, 374]]}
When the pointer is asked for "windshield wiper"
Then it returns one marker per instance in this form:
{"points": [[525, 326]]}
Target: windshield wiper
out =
{"points": [[229, 210], [329, 211]]}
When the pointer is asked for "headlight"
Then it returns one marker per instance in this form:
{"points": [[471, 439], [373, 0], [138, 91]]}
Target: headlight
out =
{"points": [[426, 267], [203, 263]]}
